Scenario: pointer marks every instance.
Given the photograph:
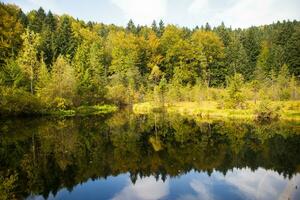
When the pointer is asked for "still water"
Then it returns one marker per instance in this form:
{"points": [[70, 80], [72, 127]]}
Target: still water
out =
{"points": [[159, 156]]}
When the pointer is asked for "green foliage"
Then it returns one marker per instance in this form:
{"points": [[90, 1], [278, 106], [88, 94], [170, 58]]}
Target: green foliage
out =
{"points": [[266, 112], [67, 63], [293, 52], [27, 59], [8, 187], [11, 74], [61, 89], [283, 83], [235, 98], [15, 101], [65, 42], [10, 32]]}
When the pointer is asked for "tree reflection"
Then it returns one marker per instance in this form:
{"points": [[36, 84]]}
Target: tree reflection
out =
{"points": [[49, 154]]}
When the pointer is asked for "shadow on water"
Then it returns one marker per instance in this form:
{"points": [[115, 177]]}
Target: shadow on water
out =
{"points": [[49, 155]]}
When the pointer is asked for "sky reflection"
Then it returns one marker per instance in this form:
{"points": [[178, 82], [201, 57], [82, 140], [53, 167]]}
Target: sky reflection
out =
{"points": [[236, 184]]}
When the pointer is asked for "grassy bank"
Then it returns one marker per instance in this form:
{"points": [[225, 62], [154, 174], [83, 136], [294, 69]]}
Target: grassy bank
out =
{"points": [[84, 110], [289, 110]]}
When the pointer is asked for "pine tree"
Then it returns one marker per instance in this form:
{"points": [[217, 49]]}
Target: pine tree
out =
{"points": [[131, 27], [161, 28], [65, 42], [293, 53]]}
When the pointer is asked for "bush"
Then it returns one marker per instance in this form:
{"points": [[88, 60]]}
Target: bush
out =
{"points": [[265, 111], [15, 101]]}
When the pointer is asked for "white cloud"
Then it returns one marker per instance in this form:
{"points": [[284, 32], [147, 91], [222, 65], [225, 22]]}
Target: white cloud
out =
{"points": [[144, 189], [261, 184], [244, 13], [142, 11], [52, 5]]}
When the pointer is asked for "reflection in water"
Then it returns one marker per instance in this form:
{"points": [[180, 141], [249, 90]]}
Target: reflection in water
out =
{"points": [[144, 188], [125, 156]]}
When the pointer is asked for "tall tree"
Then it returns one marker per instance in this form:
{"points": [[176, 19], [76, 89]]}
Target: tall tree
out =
{"points": [[213, 49], [11, 29], [62, 85], [65, 41], [293, 53], [236, 59], [161, 28], [251, 42], [28, 57], [131, 27]]}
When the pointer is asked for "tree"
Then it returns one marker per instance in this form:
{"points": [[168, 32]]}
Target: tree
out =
{"points": [[11, 74], [62, 85], [65, 42], [161, 28], [10, 31], [36, 20], [131, 27], [47, 44], [261, 71], [283, 79], [124, 52], [155, 74], [234, 87], [162, 90], [224, 33], [28, 57], [42, 79], [154, 27], [207, 27], [293, 52], [262, 60], [251, 42], [236, 58], [213, 49]]}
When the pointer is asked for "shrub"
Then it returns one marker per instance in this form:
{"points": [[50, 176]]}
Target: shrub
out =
{"points": [[15, 101], [265, 111]]}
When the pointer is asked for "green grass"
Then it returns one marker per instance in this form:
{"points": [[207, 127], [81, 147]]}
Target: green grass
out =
{"points": [[290, 110], [84, 111]]}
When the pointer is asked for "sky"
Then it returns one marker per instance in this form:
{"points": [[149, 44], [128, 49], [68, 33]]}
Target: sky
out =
{"points": [[189, 13]]}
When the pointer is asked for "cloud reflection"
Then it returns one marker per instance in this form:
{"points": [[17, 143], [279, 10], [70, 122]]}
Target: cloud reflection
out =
{"points": [[261, 184], [144, 189]]}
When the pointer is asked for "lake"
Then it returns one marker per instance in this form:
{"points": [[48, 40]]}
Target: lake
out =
{"points": [[158, 156]]}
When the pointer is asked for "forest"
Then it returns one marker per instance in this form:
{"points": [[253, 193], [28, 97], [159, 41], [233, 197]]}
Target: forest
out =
{"points": [[56, 63]]}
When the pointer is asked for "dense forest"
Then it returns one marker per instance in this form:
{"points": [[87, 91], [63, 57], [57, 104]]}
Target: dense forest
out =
{"points": [[51, 62]]}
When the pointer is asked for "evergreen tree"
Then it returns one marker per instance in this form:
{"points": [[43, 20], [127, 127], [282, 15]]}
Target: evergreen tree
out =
{"points": [[250, 40], [235, 95], [293, 53], [236, 58], [131, 27], [65, 42], [154, 27], [161, 28]]}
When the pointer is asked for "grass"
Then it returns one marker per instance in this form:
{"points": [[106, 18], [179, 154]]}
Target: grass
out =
{"points": [[85, 111], [290, 110]]}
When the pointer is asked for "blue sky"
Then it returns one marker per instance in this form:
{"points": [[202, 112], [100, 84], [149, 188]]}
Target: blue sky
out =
{"points": [[235, 13]]}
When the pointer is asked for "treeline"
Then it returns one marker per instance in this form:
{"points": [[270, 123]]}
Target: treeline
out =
{"points": [[57, 62]]}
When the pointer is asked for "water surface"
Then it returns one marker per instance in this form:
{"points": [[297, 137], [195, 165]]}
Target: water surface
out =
{"points": [[125, 156]]}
